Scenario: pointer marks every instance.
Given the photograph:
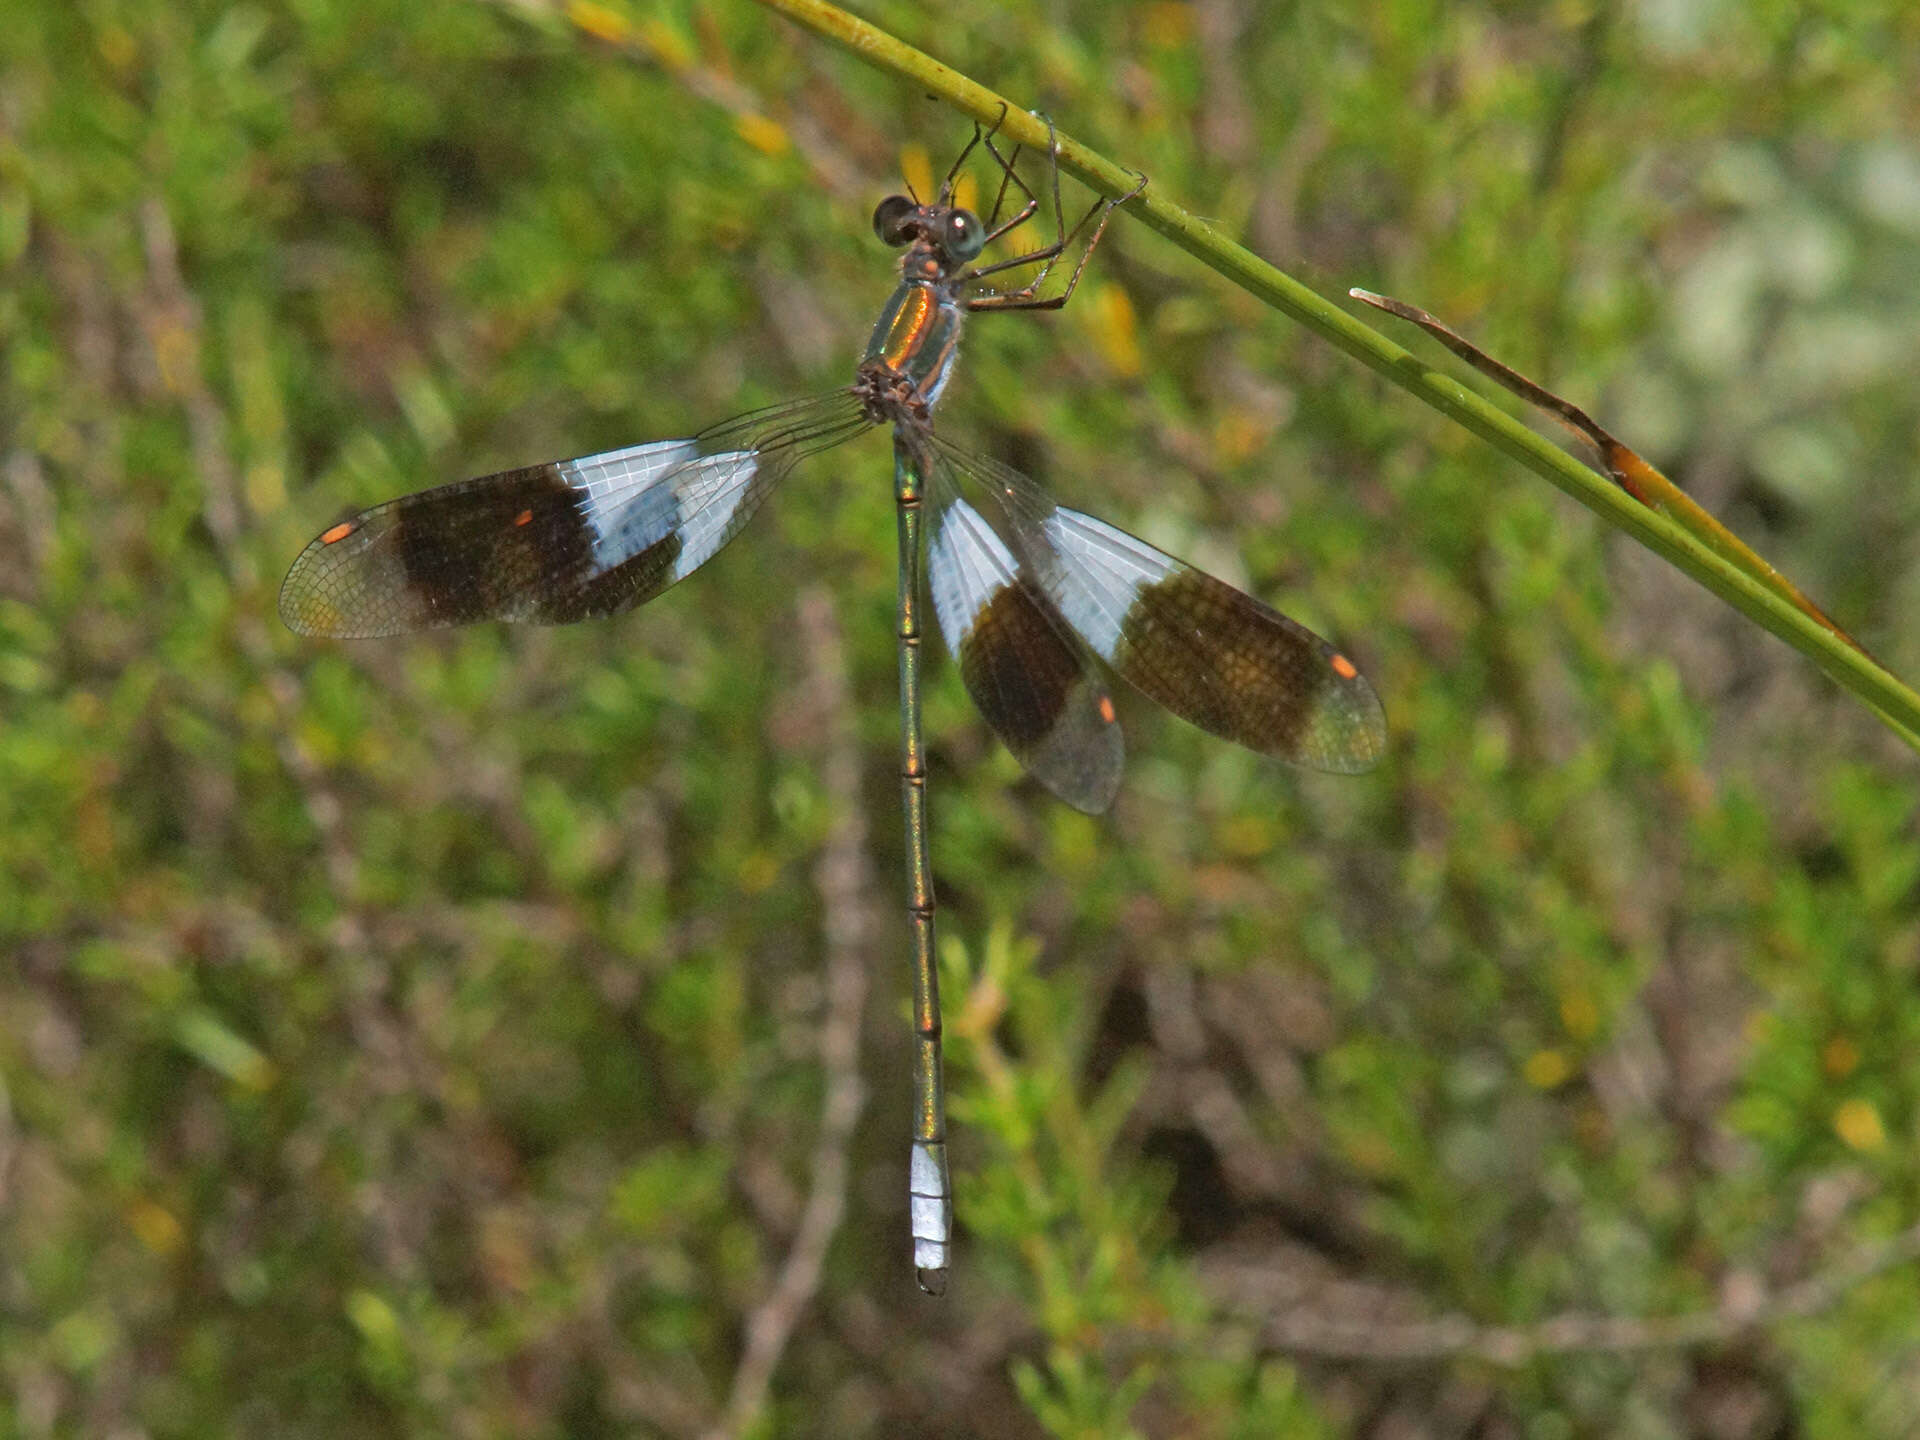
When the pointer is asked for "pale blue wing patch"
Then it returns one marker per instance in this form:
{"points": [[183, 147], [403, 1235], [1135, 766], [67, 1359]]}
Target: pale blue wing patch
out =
{"points": [[1030, 679], [1103, 571]]}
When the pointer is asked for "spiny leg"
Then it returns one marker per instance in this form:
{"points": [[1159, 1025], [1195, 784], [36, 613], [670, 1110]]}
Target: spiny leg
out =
{"points": [[1009, 175], [953, 173], [1027, 296], [946, 186]]}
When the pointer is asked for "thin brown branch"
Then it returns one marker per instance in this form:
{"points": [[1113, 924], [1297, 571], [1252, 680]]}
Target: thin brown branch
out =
{"points": [[844, 878], [1623, 465], [1208, 1100], [1746, 1307], [172, 320], [9, 1148], [33, 503]]}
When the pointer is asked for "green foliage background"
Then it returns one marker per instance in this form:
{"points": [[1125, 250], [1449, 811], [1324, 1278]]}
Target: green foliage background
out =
{"points": [[420, 1038]]}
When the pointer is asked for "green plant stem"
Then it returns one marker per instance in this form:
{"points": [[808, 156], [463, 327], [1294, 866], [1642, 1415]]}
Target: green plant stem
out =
{"points": [[1889, 698]]}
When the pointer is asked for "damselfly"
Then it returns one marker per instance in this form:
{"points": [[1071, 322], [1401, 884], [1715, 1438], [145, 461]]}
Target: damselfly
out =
{"points": [[1037, 601]]}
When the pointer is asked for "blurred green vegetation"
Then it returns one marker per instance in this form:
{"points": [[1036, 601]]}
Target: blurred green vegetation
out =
{"points": [[421, 1037]]}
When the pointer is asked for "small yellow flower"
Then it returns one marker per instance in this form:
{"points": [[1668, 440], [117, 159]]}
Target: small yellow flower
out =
{"points": [[1858, 1123], [1547, 1069], [1247, 836], [1116, 328], [1579, 1014], [155, 1226], [118, 48], [766, 136], [600, 22], [661, 40], [1166, 25]]}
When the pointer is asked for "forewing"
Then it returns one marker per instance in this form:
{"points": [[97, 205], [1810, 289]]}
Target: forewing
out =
{"points": [[1209, 653], [1028, 676], [548, 544]]}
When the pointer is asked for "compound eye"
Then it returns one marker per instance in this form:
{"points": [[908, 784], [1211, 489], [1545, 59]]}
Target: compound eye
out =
{"points": [[964, 237], [888, 218]]}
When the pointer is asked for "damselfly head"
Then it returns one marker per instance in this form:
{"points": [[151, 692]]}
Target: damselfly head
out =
{"points": [[957, 235]]}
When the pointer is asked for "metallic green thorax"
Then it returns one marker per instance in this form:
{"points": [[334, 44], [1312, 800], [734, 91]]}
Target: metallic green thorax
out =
{"points": [[917, 337]]}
